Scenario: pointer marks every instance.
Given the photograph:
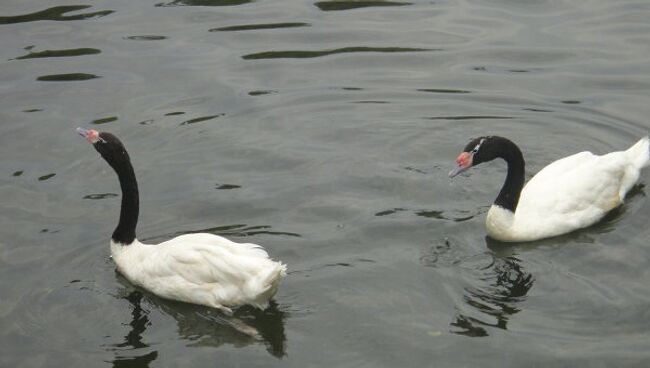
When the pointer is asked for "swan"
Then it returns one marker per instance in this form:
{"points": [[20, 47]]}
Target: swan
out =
{"points": [[571, 193], [198, 268]]}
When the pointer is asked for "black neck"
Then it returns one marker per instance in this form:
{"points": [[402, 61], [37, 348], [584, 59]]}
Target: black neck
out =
{"points": [[509, 195], [125, 231]]}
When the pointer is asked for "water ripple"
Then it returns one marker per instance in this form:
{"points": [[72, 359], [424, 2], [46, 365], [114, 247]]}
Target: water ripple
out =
{"points": [[226, 186], [469, 117], [46, 177], [59, 53], [441, 255], [104, 120], [251, 27], [443, 90], [204, 3], [370, 102], [55, 13], [145, 38], [100, 196], [302, 54], [536, 110], [347, 5], [261, 92], [201, 119], [460, 216], [67, 77]]}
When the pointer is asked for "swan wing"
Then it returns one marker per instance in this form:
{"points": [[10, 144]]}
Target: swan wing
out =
{"points": [[210, 270], [574, 192]]}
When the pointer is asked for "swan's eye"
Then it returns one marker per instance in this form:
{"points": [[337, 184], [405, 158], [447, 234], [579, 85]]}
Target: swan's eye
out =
{"points": [[475, 150]]}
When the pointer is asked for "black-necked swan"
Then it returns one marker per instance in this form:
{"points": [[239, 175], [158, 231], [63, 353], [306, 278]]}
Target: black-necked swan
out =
{"points": [[198, 268], [568, 194]]}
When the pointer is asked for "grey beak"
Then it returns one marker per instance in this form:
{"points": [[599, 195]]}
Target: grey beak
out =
{"points": [[457, 170], [83, 132]]}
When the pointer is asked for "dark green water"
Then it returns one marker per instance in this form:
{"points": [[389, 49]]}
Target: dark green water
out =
{"points": [[323, 130]]}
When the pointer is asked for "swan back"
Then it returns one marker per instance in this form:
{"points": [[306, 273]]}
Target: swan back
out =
{"points": [[203, 269]]}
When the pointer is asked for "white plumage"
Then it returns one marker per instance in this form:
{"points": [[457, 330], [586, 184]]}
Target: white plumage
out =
{"points": [[568, 194], [203, 269], [198, 268]]}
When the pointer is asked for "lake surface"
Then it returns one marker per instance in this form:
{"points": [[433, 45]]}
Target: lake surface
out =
{"points": [[323, 130]]}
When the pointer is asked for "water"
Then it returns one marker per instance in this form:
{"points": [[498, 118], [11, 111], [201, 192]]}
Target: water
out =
{"points": [[324, 131]]}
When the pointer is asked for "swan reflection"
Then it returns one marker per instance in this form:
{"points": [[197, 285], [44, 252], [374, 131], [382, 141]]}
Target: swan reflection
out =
{"points": [[203, 326], [199, 325], [499, 287], [133, 339]]}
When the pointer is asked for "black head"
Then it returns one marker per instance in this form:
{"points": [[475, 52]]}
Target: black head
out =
{"points": [[108, 145], [488, 148], [479, 150]]}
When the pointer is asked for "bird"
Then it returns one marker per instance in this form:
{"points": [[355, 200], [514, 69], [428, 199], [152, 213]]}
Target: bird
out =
{"points": [[571, 193], [198, 268]]}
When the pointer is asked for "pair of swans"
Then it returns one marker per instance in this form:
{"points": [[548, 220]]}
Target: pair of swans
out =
{"points": [[207, 269]]}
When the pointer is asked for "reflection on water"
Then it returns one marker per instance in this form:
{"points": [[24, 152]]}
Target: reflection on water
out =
{"points": [[495, 294], [46, 177], [496, 284], [261, 92], [201, 119], [226, 186], [201, 326], [470, 117], [303, 54], [67, 77], [135, 362], [443, 90], [100, 195], [455, 216], [55, 13], [109, 119], [145, 38], [133, 339], [251, 27], [347, 5], [207, 327], [205, 3], [59, 53]]}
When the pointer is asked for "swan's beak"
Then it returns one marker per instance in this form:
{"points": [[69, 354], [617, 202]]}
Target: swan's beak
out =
{"points": [[91, 135], [83, 132], [457, 170], [463, 162]]}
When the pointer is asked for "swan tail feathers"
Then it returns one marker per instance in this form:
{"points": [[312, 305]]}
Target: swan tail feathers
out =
{"points": [[639, 153], [266, 284]]}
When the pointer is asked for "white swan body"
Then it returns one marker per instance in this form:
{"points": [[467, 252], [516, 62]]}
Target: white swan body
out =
{"points": [[568, 194], [198, 268], [202, 269]]}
